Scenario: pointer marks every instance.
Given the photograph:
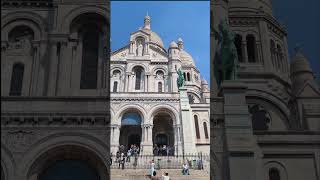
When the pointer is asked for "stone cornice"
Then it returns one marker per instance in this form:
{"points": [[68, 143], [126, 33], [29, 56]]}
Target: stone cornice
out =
{"points": [[273, 25], [146, 99], [26, 4]]}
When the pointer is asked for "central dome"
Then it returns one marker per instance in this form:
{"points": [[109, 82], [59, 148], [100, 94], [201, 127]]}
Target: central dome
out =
{"points": [[155, 38]]}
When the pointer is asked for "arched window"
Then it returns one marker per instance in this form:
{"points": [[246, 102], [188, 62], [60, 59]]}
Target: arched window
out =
{"points": [[196, 125], [116, 73], [260, 117], [280, 57], [274, 174], [188, 76], [115, 86], [184, 76], [16, 80], [238, 44], [251, 48], [159, 87], [20, 33], [90, 52], [191, 99], [272, 51], [205, 128], [138, 73]]}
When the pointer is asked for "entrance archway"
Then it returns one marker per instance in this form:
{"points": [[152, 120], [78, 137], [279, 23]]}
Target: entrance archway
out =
{"points": [[69, 170], [130, 131], [163, 134], [68, 162]]}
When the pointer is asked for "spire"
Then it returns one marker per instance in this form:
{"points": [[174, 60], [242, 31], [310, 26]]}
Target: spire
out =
{"points": [[180, 43], [147, 22]]}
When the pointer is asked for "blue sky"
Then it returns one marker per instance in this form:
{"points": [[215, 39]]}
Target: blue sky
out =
{"points": [[189, 20], [302, 22]]}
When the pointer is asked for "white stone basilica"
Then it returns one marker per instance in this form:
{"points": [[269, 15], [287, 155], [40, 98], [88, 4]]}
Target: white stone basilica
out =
{"points": [[146, 107]]}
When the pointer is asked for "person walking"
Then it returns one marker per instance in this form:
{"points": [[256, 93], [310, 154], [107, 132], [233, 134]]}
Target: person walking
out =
{"points": [[154, 177], [152, 168], [185, 170], [123, 158]]}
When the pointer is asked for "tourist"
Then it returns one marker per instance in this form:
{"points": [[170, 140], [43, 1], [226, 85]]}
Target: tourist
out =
{"points": [[152, 167], [129, 155], [185, 170], [110, 161], [165, 176], [122, 161], [154, 176], [118, 158]]}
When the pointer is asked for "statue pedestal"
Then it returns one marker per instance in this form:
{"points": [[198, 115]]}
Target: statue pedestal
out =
{"points": [[240, 142], [187, 122]]}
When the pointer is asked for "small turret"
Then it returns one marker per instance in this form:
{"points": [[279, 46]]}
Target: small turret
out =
{"points": [[300, 70], [180, 43], [147, 21], [173, 50]]}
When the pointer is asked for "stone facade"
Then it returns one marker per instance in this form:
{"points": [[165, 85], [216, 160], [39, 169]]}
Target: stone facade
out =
{"points": [[266, 125], [53, 109], [144, 81]]}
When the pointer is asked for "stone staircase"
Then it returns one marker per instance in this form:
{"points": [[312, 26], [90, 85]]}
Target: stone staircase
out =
{"points": [[141, 174]]}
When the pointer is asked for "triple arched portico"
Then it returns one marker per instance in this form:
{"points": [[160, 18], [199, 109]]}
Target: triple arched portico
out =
{"points": [[146, 127]]}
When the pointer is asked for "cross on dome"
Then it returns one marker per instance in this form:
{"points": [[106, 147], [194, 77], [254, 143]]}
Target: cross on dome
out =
{"points": [[147, 22]]}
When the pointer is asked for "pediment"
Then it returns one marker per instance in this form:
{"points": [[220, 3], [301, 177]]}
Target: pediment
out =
{"points": [[309, 90], [157, 54], [120, 54]]}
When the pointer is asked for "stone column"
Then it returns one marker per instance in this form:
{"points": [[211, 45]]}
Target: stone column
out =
{"points": [[265, 42], [174, 85], [244, 51], [53, 70], [146, 140], [146, 77], [64, 69], [35, 69], [177, 140], [188, 129], [240, 143], [115, 135], [150, 82]]}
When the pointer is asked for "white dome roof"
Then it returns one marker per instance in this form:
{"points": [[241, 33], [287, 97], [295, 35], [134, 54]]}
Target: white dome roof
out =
{"points": [[186, 58], [154, 37], [173, 45], [299, 63]]}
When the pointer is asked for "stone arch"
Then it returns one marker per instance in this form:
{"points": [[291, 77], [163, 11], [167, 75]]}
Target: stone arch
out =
{"points": [[38, 157], [65, 25], [169, 108], [7, 164], [276, 165], [271, 104], [159, 68], [128, 107], [143, 66], [195, 94], [30, 19], [164, 133], [251, 32], [120, 68]]}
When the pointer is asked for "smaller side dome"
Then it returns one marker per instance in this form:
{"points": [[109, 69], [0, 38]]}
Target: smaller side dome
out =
{"points": [[173, 45], [180, 43], [299, 63], [204, 82]]}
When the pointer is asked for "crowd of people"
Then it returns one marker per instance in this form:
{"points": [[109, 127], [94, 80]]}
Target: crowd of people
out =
{"points": [[163, 150], [123, 156]]}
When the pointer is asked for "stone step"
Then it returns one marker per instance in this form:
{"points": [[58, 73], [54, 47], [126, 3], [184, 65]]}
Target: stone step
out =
{"points": [[175, 174]]}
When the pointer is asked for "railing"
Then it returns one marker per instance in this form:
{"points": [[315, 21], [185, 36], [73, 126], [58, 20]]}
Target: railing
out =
{"points": [[197, 161]]}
